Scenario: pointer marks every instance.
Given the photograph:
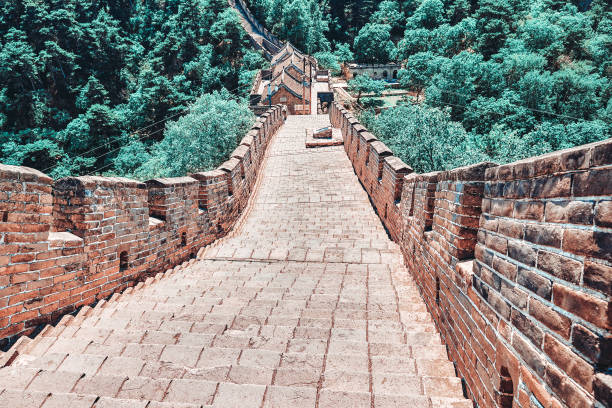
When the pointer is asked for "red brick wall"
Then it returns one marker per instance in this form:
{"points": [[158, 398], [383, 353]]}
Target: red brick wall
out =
{"points": [[290, 100], [174, 202], [514, 263], [61, 243]]}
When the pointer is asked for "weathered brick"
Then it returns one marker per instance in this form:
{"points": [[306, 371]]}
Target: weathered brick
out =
{"points": [[550, 318], [532, 356], [536, 283], [572, 212], [497, 243], [588, 243], [499, 304], [536, 387], [593, 183], [578, 369], [544, 235], [483, 254], [602, 385], [510, 228], [552, 186], [567, 391], [522, 252], [529, 210], [560, 266], [603, 214], [505, 268], [598, 276], [597, 348], [581, 304], [515, 295], [527, 327], [503, 208]]}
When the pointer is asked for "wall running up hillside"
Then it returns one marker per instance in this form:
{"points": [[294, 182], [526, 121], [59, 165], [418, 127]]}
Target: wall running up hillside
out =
{"points": [[260, 37], [513, 261], [71, 242]]}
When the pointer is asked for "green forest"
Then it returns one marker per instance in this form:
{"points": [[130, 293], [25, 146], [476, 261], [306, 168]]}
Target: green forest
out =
{"points": [[88, 86], [145, 88], [495, 80]]}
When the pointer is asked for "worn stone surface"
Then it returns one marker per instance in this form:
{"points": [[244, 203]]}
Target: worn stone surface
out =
{"points": [[305, 303]]}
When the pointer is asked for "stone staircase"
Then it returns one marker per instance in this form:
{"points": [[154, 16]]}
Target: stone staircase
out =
{"points": [[305, 304]]}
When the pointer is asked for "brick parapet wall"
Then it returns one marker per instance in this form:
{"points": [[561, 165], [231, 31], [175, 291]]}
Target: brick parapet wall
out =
{"points": [[514, 263], [71, 242]]}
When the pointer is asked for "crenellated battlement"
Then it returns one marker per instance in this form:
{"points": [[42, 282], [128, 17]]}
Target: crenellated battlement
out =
{"points": [[514, 263], [73, 241]]}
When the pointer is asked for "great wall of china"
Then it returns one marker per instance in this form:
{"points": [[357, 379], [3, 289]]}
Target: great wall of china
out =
{"points": [[513, 261], [74, 241], [508, 266]]}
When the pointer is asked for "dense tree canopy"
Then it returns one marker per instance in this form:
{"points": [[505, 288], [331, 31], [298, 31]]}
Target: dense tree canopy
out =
{"points": [[373, 43], [520, 77], [304, 23], [199, 140], [86, 85], [363, 84], [424, 137]]}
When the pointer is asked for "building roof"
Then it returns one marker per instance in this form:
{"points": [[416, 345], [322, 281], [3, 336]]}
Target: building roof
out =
{"points": [[288, 73], [286, 51], [291, 84]]}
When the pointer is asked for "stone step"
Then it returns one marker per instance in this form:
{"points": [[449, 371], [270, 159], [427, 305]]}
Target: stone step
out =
{"points": [[160, 381], [306, 304], [198, 309], [19, 399], [407, 322], [130, 343], [384, 358], [285, 309], [274, 396], [98, 341]]}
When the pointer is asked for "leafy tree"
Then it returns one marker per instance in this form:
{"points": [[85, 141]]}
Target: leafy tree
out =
{"points": [[577, 93], [420, 68], [302, 22], [458, 10], [416, 41], [542, 37], [363, 84], [424, 138], [388, 13], [343, 53], [514, 66], [429, 15], [454, 84], [198, 141], [93, 93], [373, 44], [598, 49], [483, 114], [533, 91], [228, 34], [328, 60], [81, 79], [493, 24], [348, 17]]}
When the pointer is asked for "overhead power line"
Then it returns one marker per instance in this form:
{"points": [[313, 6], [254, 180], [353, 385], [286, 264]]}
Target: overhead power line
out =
{"points": [[511, 103], [516, 105], [135, 132]]}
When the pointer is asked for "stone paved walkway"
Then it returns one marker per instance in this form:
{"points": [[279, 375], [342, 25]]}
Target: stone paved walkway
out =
{"points": [[305, 304]]}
